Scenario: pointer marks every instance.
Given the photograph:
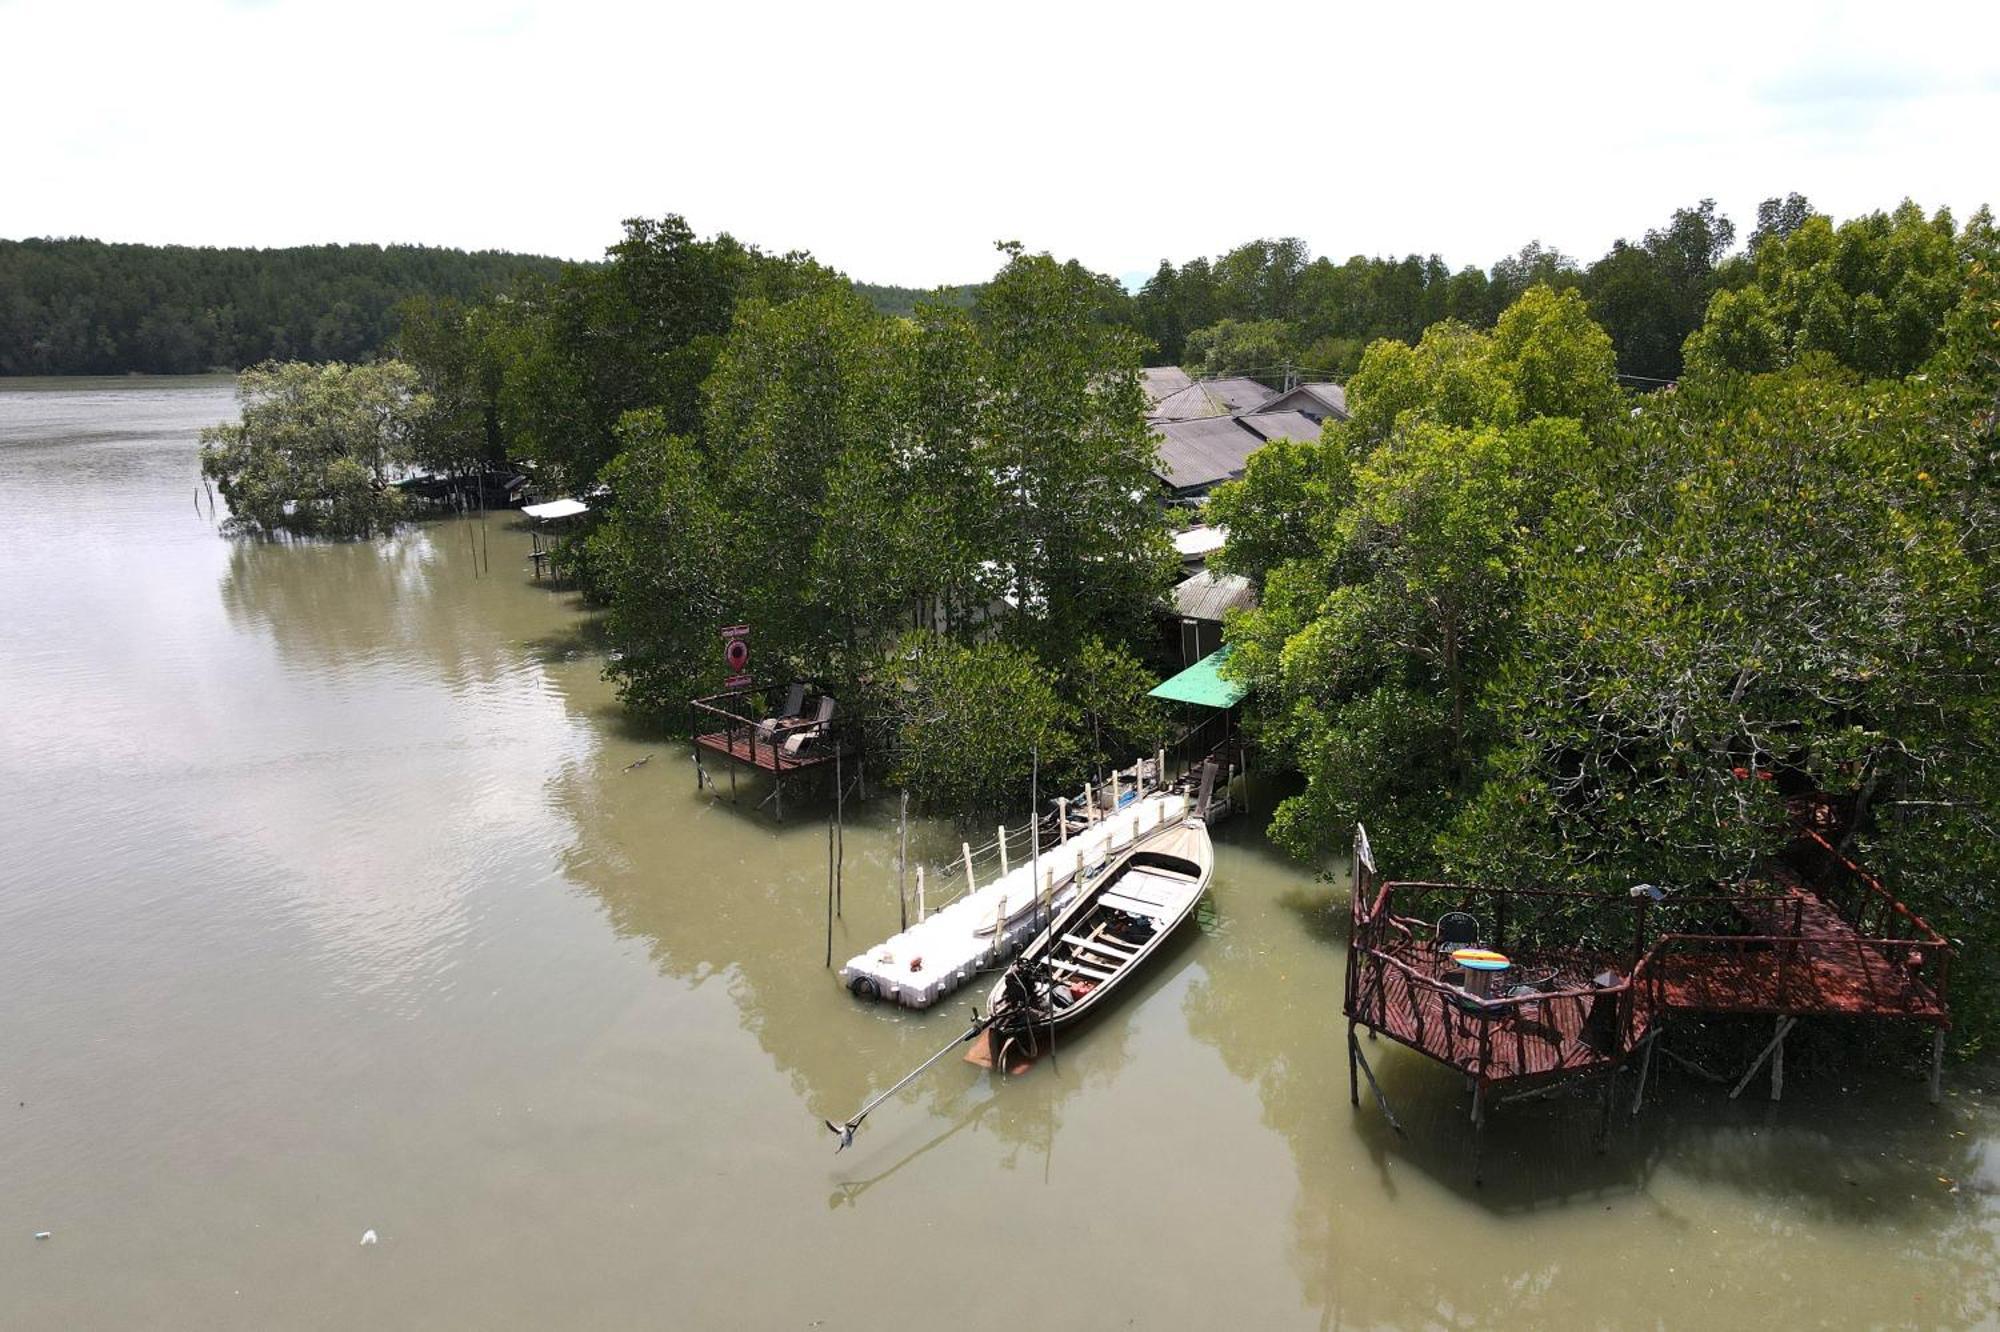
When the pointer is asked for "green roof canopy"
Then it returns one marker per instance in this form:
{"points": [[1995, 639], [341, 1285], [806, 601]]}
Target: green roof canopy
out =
{"points": [[1202, 684]]}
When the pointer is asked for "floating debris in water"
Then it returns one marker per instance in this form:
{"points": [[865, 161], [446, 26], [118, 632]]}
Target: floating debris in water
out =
{"points": [[43, 1234], [639, 763], [368, 1237]]}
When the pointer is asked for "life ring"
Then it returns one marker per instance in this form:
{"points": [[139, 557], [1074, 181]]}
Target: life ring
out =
{"points": [[864, 987]]}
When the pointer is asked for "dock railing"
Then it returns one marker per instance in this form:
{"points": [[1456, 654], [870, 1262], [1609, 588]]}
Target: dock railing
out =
{"points": [[738, 716]]}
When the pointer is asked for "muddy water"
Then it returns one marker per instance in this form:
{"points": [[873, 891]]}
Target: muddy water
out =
{"points": [[329, 902]]}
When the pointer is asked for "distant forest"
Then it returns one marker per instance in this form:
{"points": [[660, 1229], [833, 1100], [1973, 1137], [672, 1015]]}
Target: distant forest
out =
{"points": [[86, 307], [903, 301], [1268, 309]]}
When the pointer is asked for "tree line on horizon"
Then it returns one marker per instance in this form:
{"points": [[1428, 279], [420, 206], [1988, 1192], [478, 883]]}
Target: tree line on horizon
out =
{"points": [[87, 307]]}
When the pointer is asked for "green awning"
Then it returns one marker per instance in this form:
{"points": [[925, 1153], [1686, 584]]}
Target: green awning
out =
{"points": [[1202, 684]]}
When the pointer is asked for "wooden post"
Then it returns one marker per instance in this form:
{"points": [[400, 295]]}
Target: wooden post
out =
{"points": [[1353, 1073], [1003, 849], [970, 882], [920, 894], [1778, 1069], [1114, 790], [1937, 1066], [903, 863], [1089, 805], [1062, 820], [1785, 1025], [1354, 1048], [1478, 1131], [1645, 1069]]}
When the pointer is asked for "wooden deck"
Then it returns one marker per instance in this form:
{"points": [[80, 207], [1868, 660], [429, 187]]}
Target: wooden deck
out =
{"points": [[1402, 994], [1784, 947], [746, 746]]}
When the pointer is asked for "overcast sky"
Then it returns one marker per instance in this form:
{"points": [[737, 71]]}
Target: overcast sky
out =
{"points": [[898, 142]]}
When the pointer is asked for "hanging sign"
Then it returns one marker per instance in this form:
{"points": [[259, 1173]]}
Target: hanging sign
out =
{"points": [[736, 655]]}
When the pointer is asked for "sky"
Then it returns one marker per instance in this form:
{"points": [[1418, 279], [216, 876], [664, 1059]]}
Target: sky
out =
{"points": [[899, 142]]}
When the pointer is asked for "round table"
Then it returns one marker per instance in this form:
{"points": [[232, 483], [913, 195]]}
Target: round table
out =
{"points": [[1481, 966]]}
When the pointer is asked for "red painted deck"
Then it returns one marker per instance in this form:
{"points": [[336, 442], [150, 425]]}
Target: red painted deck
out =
{"points": [[1511, 1040], [746, 746], [1793, 952]]}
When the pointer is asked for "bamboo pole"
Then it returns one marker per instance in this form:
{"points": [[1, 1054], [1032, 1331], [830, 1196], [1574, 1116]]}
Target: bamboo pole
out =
{"points": [[1003, 849], [920, 894]]}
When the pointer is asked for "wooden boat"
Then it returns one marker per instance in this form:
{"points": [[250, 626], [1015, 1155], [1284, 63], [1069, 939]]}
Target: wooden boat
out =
{"points": [[1119, 918]]}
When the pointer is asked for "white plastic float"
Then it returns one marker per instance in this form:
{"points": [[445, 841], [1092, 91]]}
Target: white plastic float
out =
{"points": [[987, 925]]}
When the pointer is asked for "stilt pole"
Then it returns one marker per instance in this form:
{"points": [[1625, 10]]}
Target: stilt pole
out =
{"points": [[829, 894], [1478, 1132], [1937, 1066], [1778, 1070], [903, 863], [1645, 1071], [1784, 1027], [1353, 1073], [1354, 1048]]}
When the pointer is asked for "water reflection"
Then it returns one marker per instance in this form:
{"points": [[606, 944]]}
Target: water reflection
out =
{"points": [[721, 894], [1831, 1181]]}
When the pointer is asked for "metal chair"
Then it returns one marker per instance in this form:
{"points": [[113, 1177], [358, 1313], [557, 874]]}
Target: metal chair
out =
{"points": [[1457, 929]]}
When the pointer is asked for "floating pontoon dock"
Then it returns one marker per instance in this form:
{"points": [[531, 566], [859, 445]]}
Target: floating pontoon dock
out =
{"points": [[939, 953]]}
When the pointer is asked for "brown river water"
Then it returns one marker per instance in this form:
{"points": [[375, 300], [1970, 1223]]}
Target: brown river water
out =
{"points": [[329, 903]]}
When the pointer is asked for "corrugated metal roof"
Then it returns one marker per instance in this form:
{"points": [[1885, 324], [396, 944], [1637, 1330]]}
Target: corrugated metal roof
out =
{"points": [[1163, 381], [1192, 403], [1198, 543], [1195, 454], [1238, 395], [1209, 595], [562, 508], [1315, 399], [1283, 425], [1202, 684]]}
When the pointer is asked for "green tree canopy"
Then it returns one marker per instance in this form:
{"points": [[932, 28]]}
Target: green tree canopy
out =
{"points": [[314, 449], [1872, 293]]}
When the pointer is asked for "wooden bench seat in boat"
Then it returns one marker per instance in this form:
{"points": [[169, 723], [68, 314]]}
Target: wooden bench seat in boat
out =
{"points": [[1103, 943], [1068, 964]]}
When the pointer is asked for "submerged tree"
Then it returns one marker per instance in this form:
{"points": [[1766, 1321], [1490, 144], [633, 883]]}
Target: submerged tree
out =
{"points": [[315, 448]]}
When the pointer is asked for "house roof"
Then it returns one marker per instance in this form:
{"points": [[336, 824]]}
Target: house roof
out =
{"points": [[1209, 595], [1210, 397], [1163, 381], [1202, 684], [1198, 543], [1317, 399], [1283, 425], [1197, 454], [562, 508], [1189, 404]]}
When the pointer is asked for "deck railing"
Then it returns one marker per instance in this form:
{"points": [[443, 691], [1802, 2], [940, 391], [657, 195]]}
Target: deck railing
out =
{"points": [[739, 716]]}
